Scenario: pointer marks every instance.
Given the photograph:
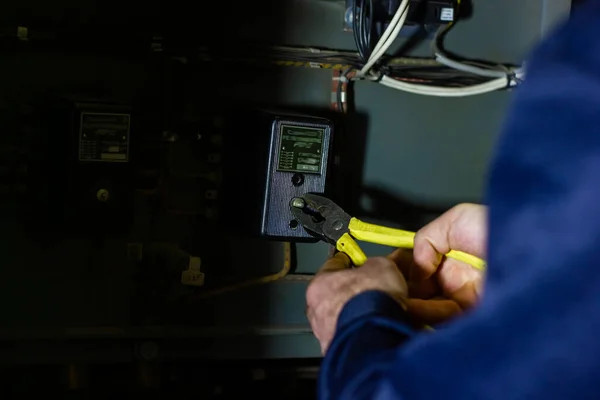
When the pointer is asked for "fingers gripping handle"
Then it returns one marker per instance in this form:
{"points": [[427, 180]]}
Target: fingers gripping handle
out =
{"points": [[473, 261], [400, 239]]}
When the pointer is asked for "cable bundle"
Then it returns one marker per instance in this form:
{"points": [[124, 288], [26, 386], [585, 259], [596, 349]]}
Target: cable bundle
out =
{"points": [[363, 14], [447, 77]]}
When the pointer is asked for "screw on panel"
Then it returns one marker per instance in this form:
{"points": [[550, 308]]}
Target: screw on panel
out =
{"points": [[297, 179], [297, 202]]}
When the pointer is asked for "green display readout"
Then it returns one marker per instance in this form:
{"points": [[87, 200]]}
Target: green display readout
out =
{"points": [[301, 149]]}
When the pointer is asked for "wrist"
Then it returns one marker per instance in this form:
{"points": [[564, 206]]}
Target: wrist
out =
{"points": [[372, 302]]}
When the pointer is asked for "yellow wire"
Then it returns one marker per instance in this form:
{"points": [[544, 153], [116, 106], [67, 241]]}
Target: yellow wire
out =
{"points": [[457, 10], [287, 265]]}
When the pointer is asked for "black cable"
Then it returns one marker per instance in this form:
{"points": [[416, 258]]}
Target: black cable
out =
{"points": [[371, 26], [356, 30], [433, 74], [364, 26], [367, 27]]}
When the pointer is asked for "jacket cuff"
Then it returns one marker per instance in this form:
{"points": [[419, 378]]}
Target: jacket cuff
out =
{"points": [[371, 303]]}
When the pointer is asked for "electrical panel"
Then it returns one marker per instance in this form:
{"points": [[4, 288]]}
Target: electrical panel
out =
{"points": [[272, 158], [97, 165]]}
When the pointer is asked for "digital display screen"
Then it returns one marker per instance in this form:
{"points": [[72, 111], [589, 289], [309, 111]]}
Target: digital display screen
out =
{"points": [[301, 149]]}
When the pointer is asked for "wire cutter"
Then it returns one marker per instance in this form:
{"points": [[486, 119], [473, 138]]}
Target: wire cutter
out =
{"points": [[325, 220]]}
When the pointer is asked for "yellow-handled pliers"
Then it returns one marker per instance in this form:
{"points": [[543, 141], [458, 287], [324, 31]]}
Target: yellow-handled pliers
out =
{"points": [[324, 219]]}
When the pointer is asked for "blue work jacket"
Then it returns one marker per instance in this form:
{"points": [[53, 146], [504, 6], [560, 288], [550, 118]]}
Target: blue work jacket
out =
{"points": [[536, 332]]}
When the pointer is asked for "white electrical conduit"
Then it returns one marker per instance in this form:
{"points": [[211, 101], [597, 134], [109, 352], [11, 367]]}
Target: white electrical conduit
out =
{"points": [[491, 86]]}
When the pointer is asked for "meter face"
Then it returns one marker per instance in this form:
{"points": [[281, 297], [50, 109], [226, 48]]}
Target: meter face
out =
{"points": [[301, 149]]}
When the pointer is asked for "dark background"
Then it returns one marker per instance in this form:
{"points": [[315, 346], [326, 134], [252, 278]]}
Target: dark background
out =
{"points": [[87, 289]]}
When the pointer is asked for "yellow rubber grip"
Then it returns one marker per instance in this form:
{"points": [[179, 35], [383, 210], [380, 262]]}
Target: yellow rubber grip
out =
{"points": [[401, 239], [349, 246]]}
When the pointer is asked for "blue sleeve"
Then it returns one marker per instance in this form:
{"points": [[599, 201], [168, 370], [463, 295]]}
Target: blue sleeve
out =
{"points": [[369, 326], [535, 333]]}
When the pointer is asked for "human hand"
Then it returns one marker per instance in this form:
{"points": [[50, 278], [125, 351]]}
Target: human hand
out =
{"points": [[335, 284], [441, 288]]}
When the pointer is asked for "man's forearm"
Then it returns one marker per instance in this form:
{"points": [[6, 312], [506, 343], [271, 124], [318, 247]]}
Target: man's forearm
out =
{"points": [[370, 327]]}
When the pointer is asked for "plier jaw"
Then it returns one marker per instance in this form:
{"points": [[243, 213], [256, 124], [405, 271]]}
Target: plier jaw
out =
{"points": [[326, 220], [321, 217]]}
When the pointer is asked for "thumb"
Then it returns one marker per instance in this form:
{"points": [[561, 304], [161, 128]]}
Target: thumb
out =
{"points": [[461, 228]]}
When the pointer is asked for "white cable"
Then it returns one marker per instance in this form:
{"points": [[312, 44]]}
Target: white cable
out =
{"points": [[501, 78], [443, 58], [402, 9], [388, 37], [376, 55], [471, 69], [473, 90]]}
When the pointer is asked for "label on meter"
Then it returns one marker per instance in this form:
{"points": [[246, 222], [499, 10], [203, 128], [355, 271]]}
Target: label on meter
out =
{"points": [[301, 149], [104, 137], [447, 14]]}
